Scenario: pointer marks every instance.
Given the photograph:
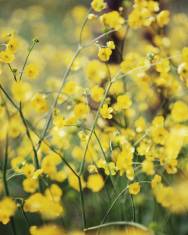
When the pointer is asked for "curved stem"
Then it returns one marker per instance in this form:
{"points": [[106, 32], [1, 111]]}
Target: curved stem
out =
{"points": [[117, 223], [27, 57]]}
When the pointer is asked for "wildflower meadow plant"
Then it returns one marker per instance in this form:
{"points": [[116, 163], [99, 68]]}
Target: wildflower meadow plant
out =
{"points": [[103, 147]]}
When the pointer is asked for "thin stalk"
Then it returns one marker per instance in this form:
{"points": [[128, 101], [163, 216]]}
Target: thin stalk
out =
{"points": [[117, 223], [82, 202], [105, 157], [93, 127], [26, 59], [14, 75], [83, 26], [37, 165], [66, 74], [133, 209]]}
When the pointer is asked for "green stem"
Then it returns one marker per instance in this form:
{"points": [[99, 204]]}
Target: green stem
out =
{"points": [[37, 165], [14, 76], [27, 57], [66, 74], [82, 202], [117, 223]]}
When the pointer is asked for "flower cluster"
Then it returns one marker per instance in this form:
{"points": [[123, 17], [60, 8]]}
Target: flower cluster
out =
{"points": [[115, 125]]}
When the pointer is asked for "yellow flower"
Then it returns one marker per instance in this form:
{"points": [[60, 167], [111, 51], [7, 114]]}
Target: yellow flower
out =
{"points": [[54, 193], [30, 185], [133, 61], [97, 93], [49, 165], [123, 102], [39, 103], [155, 181], [7, 209], [158, 121], [83, 136], [28, 170], [96, 71], [111, 45], [48, 208], [47, 230], [13, 44], [70, 87], [148, 167], [179, 111], [140, 124], [32, 71], [98, 5], [163, 66], [134, 188], [163, 18], [185, 54], [116, 88], [106, 111], [136, 231], [15, 127], [95, 182], [112, 20], [143, 13], [6, 57], [159, 135], [21, 91], [81, 110], [138, 18], [104, 53], [74, 183]]}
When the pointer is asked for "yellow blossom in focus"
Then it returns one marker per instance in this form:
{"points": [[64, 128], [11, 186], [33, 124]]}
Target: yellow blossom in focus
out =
{"points": [[134, 188], [98, 5], [111, 45], [112, 20], [106, 111], [104, 53]]}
